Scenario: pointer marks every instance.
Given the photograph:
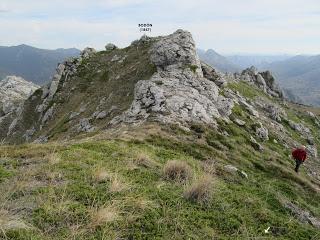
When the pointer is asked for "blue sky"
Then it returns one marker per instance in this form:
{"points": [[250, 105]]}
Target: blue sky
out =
{"points": [[228, 26]]}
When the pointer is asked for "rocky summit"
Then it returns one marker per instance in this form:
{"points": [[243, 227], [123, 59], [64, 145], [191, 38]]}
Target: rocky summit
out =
{"points": [[149, 142]]}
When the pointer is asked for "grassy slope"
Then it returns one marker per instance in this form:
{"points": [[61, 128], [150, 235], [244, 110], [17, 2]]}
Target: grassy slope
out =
{"points": [[101, 189], [112, 185], [99, 77]]}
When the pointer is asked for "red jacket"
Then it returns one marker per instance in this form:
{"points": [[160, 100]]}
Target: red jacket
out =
{"points": [[299, 154]]}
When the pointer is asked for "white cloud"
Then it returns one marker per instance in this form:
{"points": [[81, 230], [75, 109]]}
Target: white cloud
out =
{"points": [[290, 26]]}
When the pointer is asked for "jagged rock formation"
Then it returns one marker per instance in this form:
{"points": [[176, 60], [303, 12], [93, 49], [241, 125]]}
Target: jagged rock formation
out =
{"points": [[263, 80], [177, 92]]}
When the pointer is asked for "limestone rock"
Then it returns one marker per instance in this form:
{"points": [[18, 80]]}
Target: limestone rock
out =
{"points": [[177, 92], [224, 106], [249, 108], [239, 122], [312, 150], [101, 115], [275, 112], [41, 139], [311, 114], [262, 133], [85, 126], [299, 127], [110, 47], [13, 91], [29, 133], [230, 168], [176, 51], [257, 146], [261, 82], [212, 75], [303, 216], [116, 58], [87, 52], [233, 169], [264, 80]]}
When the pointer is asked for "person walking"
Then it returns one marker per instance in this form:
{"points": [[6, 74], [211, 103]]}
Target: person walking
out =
{"points": [[299, 155]]}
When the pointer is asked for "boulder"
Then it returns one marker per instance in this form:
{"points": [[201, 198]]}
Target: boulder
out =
{"points": [[41, 139], [85, 126], [87, 52], [299, 127], [176, 51], [110, 47], [239, 122], [312, 150], [212, 75], [233, 169], [262, 133], [224, 106], [249, 107], [101, 115], [275, 112], [261, 82]]}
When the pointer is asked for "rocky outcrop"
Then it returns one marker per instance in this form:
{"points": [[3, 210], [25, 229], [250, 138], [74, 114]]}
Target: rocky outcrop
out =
{"points": [[211, 74], [178, 92], [13, 91], [262, 133], [303, 215], [64, 72], [264, 80]]}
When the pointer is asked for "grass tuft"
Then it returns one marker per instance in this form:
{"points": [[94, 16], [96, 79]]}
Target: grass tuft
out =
{"points": [[177, 171], [103, 215], [200, 191]]}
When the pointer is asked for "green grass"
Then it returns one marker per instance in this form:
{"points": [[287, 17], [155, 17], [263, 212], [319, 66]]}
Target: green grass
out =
{"points": [[145, 204], [193, 68]]}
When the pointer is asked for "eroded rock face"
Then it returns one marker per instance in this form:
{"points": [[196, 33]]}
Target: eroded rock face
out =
{"points": [[212, 75], [264, 80], [178, 92], [13, 91]]}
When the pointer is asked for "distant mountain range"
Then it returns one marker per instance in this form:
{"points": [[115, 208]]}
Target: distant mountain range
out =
{"points": [[245, 61], [299, 76], [33, 64]]}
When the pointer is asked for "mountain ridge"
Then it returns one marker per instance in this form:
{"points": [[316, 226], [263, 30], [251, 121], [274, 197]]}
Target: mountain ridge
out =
{"points": [[148, 142]]}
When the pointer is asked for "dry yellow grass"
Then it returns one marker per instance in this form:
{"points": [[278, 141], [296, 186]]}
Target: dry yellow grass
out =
{"points": [[101, 175], [144, 160], [103, 215], [118, 185], [200, 191], [177, 170]]}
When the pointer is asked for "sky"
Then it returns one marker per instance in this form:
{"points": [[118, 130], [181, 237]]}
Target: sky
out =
{"points": [[227, 26]]}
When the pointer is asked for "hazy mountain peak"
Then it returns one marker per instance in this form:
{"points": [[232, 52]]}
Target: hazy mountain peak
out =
{"points": [[217, 61], [34, 64]]}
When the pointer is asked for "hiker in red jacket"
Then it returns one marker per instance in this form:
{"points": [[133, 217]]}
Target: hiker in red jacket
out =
{"points": [[300, 155]]}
